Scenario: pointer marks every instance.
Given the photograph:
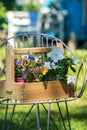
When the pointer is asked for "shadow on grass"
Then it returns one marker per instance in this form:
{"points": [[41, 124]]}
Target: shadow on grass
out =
{"points": [[31, 123], [77, 115]]}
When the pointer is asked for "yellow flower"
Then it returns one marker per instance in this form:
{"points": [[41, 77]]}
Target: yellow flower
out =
{"points": [[44, 70]]}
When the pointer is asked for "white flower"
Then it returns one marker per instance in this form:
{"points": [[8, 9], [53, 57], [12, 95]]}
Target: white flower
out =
{"points": [[53, 65], [56, 54], [75, 61], [47, 65], [71, 79], [36, 59]]}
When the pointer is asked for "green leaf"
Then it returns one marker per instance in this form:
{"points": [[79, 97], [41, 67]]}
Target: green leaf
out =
{"points": [[73, 69]]}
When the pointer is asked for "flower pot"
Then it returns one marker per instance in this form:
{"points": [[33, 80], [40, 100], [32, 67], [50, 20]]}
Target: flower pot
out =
{"points": [[39, 91], [20, 80]]}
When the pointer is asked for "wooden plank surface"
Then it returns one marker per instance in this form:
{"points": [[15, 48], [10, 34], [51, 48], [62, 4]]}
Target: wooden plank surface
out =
{"points": [[9, 67], [37, 91], [54, 90], [33, 50]]}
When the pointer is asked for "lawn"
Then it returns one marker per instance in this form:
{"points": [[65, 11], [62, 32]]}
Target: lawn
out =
{"points": [[77, 110]]}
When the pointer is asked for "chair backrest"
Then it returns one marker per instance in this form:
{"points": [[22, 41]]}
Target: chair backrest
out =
{"points": [[37, 43], [33, 40]]}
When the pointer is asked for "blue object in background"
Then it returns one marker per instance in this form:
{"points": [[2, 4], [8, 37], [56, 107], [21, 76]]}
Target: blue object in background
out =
{"points": [[33, 16], [48, 4], [74, 21], [52, 18]]}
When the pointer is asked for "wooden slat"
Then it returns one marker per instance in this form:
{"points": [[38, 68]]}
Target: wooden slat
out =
{"points": [[17, 92], [32, 50], [37, 91], [9, 67]]}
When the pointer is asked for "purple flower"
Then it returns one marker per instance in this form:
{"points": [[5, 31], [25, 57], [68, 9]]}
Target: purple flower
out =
{"points": [[24, 76], [17, 62], [30, 70], [22, 71], [0, 72], [31, 57], [37, 70]]}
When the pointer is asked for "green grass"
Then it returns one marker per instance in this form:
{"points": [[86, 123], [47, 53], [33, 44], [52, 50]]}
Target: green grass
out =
{"points": [[77, 110]]}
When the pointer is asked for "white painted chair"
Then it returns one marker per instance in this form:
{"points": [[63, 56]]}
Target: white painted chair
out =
{"points": [[11, 93]]}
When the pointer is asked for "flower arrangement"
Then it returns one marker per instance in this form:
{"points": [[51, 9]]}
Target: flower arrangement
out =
{"points": [[32, 67]]}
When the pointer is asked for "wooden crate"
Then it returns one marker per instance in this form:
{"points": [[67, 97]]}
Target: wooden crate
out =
{"points": [[35, 91]]}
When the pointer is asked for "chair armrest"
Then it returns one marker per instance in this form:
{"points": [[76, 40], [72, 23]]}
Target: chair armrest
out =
{"points": [[83, 84]]}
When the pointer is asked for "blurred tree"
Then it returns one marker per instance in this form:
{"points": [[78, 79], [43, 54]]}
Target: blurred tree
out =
{"points": [[10, 6], [32, 5], [2, 14], [3, 21]]}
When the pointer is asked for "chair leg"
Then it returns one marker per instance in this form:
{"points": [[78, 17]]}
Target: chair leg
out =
{"points": [[6, 112], [22, 122], [5, 119], [67, 111], [10, 122], [38, 116], [61, 116], [49, 117], [48, 121]]}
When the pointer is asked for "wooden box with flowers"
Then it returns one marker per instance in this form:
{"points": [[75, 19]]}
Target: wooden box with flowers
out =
{"points": [[36, 74]]}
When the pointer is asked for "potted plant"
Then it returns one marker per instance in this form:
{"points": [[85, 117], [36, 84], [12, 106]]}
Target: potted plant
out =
{"points": [[54, 67], [42, 78], [32, 68]]}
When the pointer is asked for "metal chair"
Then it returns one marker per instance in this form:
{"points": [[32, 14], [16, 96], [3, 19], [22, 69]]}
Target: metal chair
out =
{"points": [[37, 40]]}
